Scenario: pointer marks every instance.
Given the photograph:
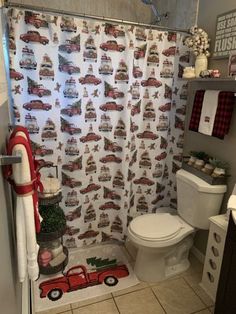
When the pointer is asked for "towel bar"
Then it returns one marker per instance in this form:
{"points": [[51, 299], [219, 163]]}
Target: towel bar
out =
{"points": [[9, 160]]}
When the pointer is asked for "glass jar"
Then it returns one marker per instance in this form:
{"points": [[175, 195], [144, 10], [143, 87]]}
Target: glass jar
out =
{"points": [[201, 64]]}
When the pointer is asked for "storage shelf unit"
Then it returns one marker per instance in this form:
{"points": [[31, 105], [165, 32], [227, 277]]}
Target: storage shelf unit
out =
{"points": [[214, 254], [199, 79]]}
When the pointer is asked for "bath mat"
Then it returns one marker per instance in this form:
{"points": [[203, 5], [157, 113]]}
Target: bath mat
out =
{"points": [[91, 272]]}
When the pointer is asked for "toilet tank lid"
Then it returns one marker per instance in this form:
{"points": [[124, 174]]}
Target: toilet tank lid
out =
{"points": [[199, 184]]}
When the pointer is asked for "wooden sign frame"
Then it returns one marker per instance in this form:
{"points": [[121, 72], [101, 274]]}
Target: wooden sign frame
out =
{"points": [[225, 35]]}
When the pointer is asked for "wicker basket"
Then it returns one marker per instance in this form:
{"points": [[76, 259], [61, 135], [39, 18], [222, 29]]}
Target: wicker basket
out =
{"points": [[202, 175], [50, 200]]}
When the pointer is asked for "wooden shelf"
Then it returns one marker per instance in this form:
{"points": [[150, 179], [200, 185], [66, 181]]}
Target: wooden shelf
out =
{"points": [[199, 79]]}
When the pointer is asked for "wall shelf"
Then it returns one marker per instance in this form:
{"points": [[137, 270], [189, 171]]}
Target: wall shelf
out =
{"points": [[220, 79]]}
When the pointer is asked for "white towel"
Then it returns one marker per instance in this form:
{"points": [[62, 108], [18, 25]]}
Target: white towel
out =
{"points": [[208, 113], [27, 247]]}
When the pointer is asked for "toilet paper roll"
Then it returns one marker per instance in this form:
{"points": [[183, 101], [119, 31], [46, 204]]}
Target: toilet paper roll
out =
{"points": [[231, 205]]}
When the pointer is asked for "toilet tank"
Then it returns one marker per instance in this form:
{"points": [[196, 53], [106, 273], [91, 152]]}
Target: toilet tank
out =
{"points": [[197, 199]]}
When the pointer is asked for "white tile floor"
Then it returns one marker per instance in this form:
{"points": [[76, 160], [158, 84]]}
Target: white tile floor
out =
{"points": [[179, 295]]}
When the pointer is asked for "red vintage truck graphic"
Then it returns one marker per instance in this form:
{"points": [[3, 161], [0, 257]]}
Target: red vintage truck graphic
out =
{"points": [[78, 277]]}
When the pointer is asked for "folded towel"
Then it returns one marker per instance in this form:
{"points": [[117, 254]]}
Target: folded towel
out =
{"points": [[226, 101], [208, 112], [196, 111], [224, 113]]}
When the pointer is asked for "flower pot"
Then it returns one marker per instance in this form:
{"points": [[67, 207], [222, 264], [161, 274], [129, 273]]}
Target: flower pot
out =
{"points": [[208, 169], [218, 172], [50, 236], [199, 164], [189, 72], [192, 160], [200, 64]]}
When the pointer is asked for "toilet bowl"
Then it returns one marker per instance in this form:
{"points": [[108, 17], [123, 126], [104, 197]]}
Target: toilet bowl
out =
{"points": [[163, 241], [164, 238]]}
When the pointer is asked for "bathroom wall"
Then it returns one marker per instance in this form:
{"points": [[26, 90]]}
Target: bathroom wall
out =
{"points": [[208, 11], [182, 12], [226, 149]]}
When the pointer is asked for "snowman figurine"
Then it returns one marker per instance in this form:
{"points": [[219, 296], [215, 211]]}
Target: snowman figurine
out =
{"points": [[129, 105], [86, 150], [55, 38], [57, 103], [131, 44], [146, 94], [85, 93]]}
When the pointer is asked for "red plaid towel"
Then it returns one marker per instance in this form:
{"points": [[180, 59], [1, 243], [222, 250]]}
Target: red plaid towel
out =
{"points": [[223, 116]]}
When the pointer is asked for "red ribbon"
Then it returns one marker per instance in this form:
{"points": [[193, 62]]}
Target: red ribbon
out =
{"points": [[35, 184]]}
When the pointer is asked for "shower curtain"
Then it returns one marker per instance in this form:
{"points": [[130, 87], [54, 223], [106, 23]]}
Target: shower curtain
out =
{"points": [[105, 105]]}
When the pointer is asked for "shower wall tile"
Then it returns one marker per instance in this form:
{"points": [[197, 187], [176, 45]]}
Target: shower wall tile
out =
{"points": [[182, 13], [133, 10]]}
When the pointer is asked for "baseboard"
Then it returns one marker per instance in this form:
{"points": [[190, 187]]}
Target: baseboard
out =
{"points": [[25, 305], [198, 254]]}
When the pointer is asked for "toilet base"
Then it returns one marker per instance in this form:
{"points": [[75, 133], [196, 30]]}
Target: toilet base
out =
{"points": [[157, 264]]}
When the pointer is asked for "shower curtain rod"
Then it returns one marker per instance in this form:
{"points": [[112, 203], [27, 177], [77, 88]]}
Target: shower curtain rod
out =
{"points": [[9, 4]]}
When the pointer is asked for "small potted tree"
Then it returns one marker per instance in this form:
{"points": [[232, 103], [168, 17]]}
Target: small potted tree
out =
{"points": [[198, 159], [221, 168], [192, 158], [53, 256]]}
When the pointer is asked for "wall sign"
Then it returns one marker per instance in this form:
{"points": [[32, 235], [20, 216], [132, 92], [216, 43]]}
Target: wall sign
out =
{"points": [[225, 38]]}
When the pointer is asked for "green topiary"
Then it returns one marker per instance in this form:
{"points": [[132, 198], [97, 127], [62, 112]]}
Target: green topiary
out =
{"points": [[53, 218], [219, 164], [200, 155]]}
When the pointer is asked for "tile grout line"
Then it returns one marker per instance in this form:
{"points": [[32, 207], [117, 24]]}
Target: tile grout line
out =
{"points": [[158, 300], [209, 308], [195, 293], [120, 295], [116, 304], [201, 311], [79, 307]]}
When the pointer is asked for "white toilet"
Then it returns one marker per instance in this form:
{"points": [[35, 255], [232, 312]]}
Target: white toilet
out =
{"points": [[163, 239]]}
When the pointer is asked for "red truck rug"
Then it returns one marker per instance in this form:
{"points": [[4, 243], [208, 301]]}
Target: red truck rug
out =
{"points": [[91, 272]]}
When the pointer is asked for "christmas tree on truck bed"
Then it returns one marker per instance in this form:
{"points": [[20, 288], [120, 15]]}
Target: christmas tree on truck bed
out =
{"points": [[100, 263]]}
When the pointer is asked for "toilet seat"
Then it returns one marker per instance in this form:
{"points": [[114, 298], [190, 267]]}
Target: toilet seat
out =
{"points": [[166, 230], [156, 227]]}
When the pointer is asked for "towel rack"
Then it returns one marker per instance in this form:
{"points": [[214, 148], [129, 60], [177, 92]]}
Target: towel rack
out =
{"points": [[9, 160]]}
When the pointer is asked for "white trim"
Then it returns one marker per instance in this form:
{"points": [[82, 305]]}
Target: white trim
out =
{"points": [[207, 291], [198, 254], [197, 13], [25, 306]]}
